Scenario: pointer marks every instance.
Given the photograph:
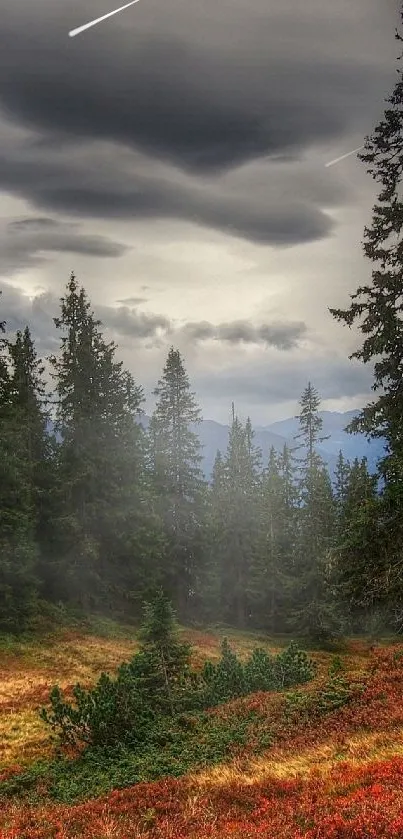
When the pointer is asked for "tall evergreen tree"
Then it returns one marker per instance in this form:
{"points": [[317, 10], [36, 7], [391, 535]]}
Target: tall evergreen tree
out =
{"points": [[104, 536], [313, 612], [274, 581], [360, 568], [30, 401], [178, 481], [236, 501], [377, 309], [18, 546]]}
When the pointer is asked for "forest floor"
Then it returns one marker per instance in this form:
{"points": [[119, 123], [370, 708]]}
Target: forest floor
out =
{"points": [[333, 774]]}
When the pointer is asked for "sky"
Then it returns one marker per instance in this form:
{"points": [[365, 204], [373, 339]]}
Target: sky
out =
{"points": [[174, 157]]}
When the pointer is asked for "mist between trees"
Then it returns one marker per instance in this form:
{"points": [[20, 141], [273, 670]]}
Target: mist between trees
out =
{"points": [[100, 513]]}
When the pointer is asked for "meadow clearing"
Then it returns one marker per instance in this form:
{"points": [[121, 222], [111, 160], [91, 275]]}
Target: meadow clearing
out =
{"points": [[329, 772]]}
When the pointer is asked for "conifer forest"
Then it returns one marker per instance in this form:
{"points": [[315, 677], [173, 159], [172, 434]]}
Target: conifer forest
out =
{"points": [[192, 656]]}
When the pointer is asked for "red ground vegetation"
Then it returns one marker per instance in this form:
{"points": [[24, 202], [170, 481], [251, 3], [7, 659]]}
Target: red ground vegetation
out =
{"points": [[347, 800]]}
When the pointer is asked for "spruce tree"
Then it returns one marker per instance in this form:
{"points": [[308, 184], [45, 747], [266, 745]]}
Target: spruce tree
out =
{"points": [[376, 309], [18, 546], [103, 529], [178, 482], [236, 501], [359, 553], [314, 608], [278, 520]]}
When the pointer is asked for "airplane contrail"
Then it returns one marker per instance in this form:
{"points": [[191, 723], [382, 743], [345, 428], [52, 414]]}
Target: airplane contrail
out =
{"points": [[338, 159], [77, 31]]}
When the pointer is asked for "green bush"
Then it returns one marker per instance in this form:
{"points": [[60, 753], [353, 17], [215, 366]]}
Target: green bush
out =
{"points": [[113, 711], [293, 667], [158, 687], [260, 671], [230, 678], [225, 680]]}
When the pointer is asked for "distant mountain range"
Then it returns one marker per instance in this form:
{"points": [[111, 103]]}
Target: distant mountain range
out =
{"points": [[214, 437]]}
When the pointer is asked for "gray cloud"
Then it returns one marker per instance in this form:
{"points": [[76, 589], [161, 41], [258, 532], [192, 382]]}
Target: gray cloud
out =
{"points": [[273, 379], [126, 322], [25, 242], [205, 91], [284, 336], [272, 382], [132, 301], [93, 182]]}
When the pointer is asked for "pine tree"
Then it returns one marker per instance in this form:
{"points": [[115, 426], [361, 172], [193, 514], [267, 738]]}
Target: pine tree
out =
{"points": [[377, 308], [104, 528], [236, 502], [166, 658], [18, 547], [360, 568], [178, 482], [275, 558], [314, 610], [30, 401], [341, 484]]}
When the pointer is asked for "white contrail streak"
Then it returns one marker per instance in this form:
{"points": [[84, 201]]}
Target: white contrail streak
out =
{"points": [[99, 19], [338, 159]]}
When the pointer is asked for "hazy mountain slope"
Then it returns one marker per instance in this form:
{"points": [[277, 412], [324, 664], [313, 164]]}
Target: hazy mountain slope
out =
{"points": [[214, 436]]}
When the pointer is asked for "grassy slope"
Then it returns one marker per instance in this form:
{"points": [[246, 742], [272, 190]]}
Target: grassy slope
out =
{"points": [[325, 778]]}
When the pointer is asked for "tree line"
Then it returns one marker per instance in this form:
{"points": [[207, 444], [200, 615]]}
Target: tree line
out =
{"points": [[102, 513], [97, 512]]}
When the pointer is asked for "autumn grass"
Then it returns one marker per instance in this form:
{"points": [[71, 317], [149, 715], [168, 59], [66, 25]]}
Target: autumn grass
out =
{"points": [[30, 667], [336, 776]]}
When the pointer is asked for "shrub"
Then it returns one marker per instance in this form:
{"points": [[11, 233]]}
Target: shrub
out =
{"points": [[293, 667], [157, 685], [225, 680], [262, 672]]}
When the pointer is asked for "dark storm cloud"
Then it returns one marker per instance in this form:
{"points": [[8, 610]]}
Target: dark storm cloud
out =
{"points": [[206, 89], [203, 87], [92, 182], [23, 242]]}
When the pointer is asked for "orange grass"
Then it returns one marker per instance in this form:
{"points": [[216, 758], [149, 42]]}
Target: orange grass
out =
{"points": [[333, 777], [28, 673]]}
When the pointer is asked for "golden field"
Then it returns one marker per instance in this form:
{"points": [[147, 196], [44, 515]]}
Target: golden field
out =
{"points": [[335, 777]]}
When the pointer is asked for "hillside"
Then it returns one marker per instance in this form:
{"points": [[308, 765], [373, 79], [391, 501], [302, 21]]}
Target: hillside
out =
{"points": [[326, 763]]}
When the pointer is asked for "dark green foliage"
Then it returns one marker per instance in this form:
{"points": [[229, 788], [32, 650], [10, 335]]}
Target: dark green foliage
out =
{"points": [[23, 460], [293, 666], [107, 538], [261, 672], [376, 309], [225, 680], [158, 684], [174, 468], [336, 693], [112, 712]]}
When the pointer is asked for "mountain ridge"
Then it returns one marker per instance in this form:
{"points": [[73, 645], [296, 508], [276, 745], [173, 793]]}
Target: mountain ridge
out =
{"points": [[214, 437]]}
